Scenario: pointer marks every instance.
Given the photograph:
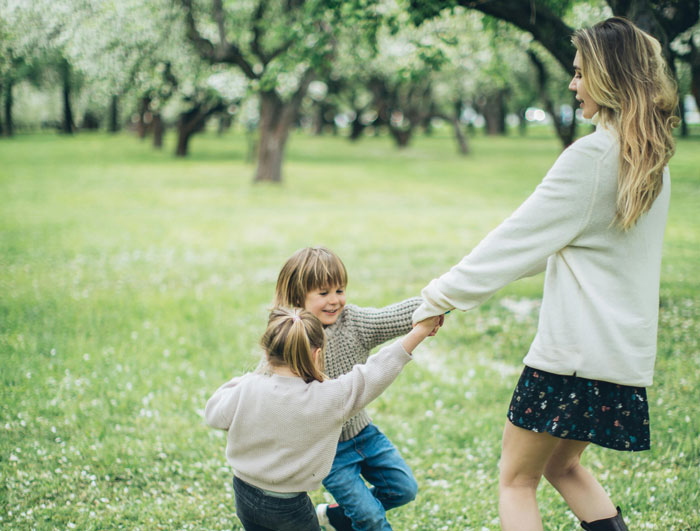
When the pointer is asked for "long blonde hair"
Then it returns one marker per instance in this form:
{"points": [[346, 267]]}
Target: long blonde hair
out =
{"points": [[626, 74], [291, 338], [306, 270]]}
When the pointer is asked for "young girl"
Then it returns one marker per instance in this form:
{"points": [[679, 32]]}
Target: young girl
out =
{"points": [[596, 222], [283, 428], [315, 279]]}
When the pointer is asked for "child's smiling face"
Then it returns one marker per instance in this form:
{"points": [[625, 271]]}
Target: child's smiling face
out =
{"points": [[326, 303]]}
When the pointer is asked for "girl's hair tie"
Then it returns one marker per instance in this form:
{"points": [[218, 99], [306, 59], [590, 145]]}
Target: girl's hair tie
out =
{"points": [[296, 318]]}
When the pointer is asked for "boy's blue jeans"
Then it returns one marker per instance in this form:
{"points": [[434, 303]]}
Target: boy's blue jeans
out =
{"points": [[258, 511], [370, 454]]}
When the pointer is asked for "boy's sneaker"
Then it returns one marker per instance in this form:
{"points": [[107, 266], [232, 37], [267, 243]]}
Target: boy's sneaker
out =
{"points": [[322, 515]]}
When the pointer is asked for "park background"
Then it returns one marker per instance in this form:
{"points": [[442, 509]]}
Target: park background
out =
{"points": [[160, 160]]}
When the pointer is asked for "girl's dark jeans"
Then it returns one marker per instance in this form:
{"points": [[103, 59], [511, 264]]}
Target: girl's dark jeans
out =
{"points": [[259, 511]]}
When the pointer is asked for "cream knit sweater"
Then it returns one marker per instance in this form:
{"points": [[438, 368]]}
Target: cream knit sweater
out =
{"points": [[601, 290]]}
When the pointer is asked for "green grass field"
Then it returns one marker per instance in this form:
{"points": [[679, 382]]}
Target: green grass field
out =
{"points": [[132, 285]]}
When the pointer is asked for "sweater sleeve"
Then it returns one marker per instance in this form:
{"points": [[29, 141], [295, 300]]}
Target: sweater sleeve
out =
{"points": [[374, 326], [222, 405], [367, 381], [545, 223]]}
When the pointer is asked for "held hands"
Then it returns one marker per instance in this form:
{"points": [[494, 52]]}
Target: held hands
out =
{"points": [[431, 324], [440, 322], [423, 329]]}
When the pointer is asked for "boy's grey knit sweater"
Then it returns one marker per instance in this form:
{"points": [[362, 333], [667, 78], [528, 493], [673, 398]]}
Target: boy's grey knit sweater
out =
{"points": [[351, 338]]}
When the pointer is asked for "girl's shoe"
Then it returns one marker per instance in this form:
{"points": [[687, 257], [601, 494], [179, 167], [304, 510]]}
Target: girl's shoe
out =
{"points": [[322, 515]]}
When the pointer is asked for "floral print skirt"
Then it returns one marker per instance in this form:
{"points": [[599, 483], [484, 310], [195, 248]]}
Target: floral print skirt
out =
{"points": [[569, 407]]}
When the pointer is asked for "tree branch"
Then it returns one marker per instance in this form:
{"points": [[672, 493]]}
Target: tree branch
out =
{"points": [[267, 57], [226, 53], [204, 47], [283, 48], [664, 19], [304, 82], [257, 32], [218, 11], [536, 18]]}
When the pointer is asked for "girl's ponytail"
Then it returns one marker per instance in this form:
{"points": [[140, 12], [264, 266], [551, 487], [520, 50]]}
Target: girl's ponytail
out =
{"points": [[291, 338]]}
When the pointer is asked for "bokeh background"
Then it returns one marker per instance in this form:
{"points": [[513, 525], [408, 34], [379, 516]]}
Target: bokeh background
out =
{"points": [[161, 159]]}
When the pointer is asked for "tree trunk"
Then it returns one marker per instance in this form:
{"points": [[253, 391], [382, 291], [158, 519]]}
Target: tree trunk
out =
{"points": [[323, 118], [9, 124], [144, 112], [186, 126], [225, 123], [522, 122], [68, 126], [565, 132], [695, 86], [317, 121], [356, 128], [401, 136], [157, 131], [462, 142], [183, 139], [270, 155], [193, 121], [427, 122], [276, 118], [493, 110], [684, 124], [693, 59], [114, 114]]}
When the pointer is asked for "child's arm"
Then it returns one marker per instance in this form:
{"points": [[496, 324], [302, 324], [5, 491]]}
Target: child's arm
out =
{"points": [[221, 406], [367, 381], [418, 333], [374, 326]]}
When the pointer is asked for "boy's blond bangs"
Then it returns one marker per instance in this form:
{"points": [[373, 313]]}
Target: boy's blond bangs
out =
{"points": [[308, 269]]}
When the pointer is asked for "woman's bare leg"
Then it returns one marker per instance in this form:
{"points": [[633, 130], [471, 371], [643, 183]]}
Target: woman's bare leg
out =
{"points": [[581, 491], [523, 459]]}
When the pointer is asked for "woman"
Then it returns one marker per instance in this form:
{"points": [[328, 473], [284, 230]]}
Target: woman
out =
{"points": [[596, 223]]}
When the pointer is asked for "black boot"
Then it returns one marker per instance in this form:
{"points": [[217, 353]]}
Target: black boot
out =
{"points": [[616, 523]]}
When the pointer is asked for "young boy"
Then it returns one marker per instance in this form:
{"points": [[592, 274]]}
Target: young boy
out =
{"points": [[315, 278]]}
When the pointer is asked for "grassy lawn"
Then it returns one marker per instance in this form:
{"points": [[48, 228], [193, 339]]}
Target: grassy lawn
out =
{"points": [[132, 285]]}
